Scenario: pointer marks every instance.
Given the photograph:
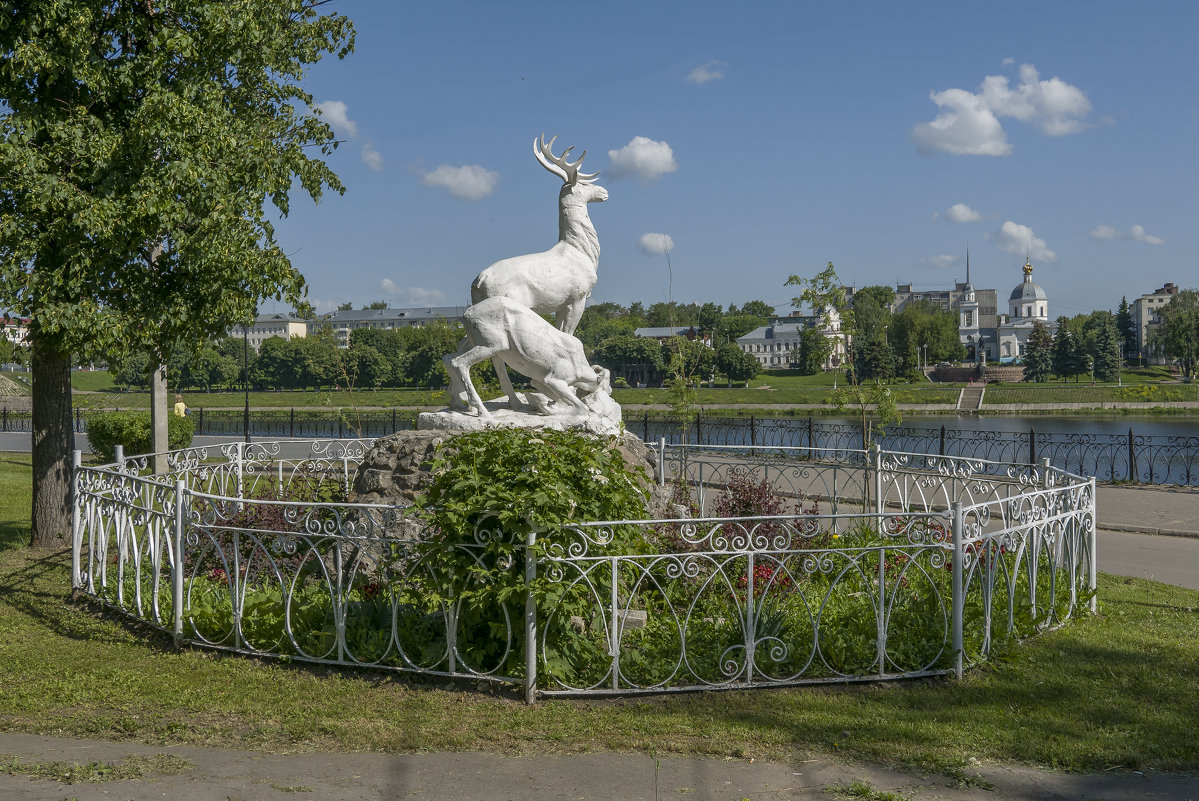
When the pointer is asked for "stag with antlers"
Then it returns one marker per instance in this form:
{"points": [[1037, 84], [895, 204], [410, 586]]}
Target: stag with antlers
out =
{"points": [[557, 281]]}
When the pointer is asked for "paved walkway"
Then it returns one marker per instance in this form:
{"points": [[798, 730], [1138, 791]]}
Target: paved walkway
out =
{"points": [[1149, 510], [227, 775]]}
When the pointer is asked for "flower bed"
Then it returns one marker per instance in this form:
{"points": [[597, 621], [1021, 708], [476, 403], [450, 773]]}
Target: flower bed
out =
{"points": [[790, 567]]}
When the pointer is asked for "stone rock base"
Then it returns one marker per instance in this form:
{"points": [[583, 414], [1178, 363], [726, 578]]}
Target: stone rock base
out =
{"points": [[449, 420], [397, 467]]}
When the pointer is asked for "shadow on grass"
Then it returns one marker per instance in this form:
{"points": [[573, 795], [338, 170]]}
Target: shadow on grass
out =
{"points": [[1109, 691], [36, 583], [1101, 693], [13, 534]]}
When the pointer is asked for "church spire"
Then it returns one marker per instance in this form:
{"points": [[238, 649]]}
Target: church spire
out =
{"points": [[968, 264]]}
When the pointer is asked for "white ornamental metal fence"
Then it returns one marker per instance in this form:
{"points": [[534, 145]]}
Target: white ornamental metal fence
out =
{"points": [[868, 566]]}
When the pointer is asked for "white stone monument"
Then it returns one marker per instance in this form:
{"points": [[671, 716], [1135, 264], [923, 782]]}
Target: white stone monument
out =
{"points": [[505, 325]]}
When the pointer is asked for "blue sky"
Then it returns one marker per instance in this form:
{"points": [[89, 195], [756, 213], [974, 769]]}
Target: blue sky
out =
{"points": [[763, 140]]}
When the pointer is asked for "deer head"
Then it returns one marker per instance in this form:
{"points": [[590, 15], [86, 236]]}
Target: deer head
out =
{"points": [[574, 183]]}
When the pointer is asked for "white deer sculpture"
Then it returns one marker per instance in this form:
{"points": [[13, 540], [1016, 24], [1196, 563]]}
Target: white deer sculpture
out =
{"points": [[502, 328], [557, 281]]}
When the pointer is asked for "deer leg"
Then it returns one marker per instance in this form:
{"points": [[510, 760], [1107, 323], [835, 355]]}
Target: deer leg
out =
{"points": [[564, 393], [516, 402], [569, 315], [458, 399], [461, 364]]}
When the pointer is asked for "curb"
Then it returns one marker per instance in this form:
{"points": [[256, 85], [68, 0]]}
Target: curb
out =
{"points": [[1163, 532]]}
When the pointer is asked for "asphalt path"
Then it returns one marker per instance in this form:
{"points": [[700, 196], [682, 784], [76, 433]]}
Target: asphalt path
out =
{"points": [[224, 774], [1170, 560]]}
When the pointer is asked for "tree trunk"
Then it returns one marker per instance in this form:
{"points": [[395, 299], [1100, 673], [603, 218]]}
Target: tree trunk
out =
{"points": [[53, 442], [159, 409]]}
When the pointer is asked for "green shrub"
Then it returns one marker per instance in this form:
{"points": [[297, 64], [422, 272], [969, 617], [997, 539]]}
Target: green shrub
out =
{"points": [[106, 430], [489, 489]]}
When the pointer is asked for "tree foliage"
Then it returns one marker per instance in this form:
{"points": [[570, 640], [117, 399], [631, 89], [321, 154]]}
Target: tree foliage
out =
{"points": [[873, 359], [1106, 358], [736, 364], [1127, 328], [814, 350], [140, 142], [1038, 354], [1178, 334], [872, 311], [824, 294], [635, 359], [757, 308], [923, 323], [141, 145], [1069, 359]]}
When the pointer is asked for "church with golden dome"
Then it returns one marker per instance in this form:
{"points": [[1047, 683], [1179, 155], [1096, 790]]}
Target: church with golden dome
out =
{"points": [[1028, 305]]}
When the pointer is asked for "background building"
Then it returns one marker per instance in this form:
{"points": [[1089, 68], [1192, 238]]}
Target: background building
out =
{"points": [[266, 326], [1146, 318], [987, 334], [1027, 305], [776, 346], [15, 329], [343, 321], [662, 333]]}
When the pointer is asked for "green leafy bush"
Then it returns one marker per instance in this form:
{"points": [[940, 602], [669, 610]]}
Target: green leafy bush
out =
{"points": [[489, 489], [106, 430], [513, 481]]}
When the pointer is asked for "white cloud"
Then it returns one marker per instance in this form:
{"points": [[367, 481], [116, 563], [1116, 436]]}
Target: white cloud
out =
{"points": [[372, 157], [412, 295], [468, 182], [1020, 240], [655, 244], [1105, 232], [336, 113], [323, 306], [969, 122], [966, 128], [642, 158], [960, 213], [1136, 233], [1054, 106], [711, 71], [1007, 62], [941, 262]]}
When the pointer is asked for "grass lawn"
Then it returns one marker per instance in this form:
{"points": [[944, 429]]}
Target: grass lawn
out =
{"points": [[387, 398], [904, 393], [1083, 392], [769, 388], [91, 381], [16, 488], [1116, 691]]}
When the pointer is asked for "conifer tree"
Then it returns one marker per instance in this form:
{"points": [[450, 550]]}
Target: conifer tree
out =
{"points": [[1127, 328], [1066, 353], [1107, 353], [1038, 354]]}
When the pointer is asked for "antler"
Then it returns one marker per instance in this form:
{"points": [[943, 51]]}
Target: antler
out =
{"points": [[558, 165]]}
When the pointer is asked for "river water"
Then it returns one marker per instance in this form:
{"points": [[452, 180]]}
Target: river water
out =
{"points": [[1159, 450]]}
